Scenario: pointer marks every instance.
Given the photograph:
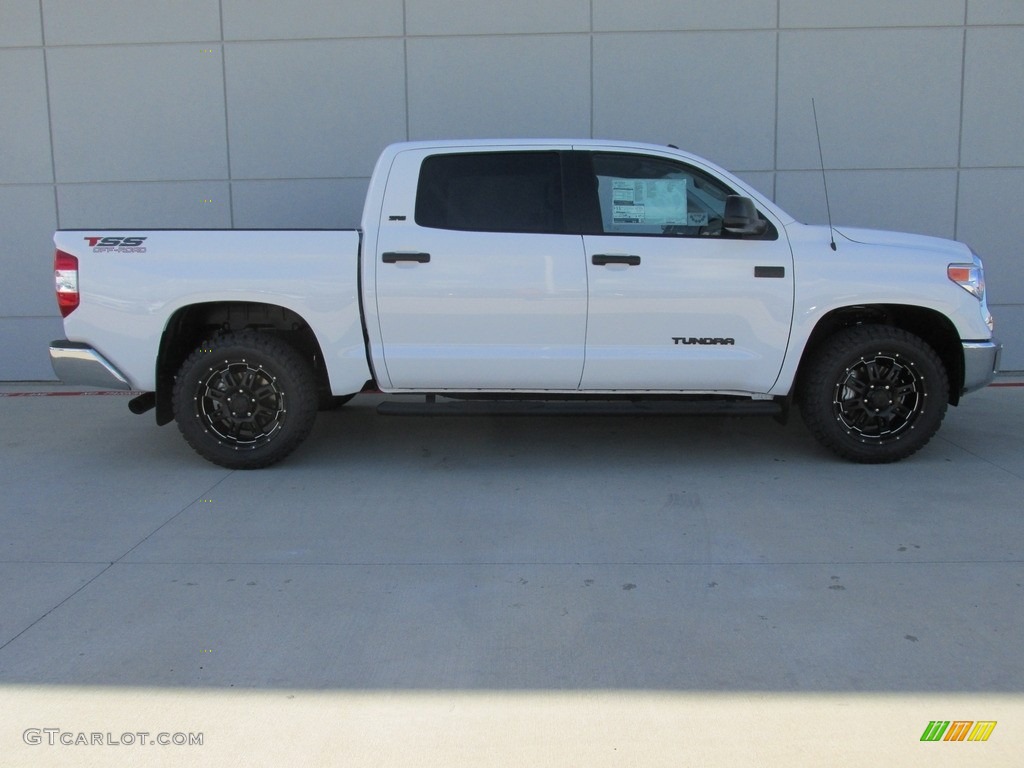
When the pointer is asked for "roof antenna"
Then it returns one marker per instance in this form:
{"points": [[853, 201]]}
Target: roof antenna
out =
{"points": [[821, 160]]}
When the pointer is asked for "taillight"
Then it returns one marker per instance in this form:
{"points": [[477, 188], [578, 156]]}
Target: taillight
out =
{"points": [[65, 275]]}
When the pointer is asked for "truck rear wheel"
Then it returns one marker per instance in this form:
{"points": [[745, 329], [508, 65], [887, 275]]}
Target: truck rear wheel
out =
{"points": [[245, 399], [874, 394]]}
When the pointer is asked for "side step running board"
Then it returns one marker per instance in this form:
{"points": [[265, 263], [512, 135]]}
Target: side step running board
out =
{"points": [[582, 407]]}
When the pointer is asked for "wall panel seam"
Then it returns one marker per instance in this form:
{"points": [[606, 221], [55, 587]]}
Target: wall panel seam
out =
{"points": [[227, 116], [49, 114], [960, 127]]}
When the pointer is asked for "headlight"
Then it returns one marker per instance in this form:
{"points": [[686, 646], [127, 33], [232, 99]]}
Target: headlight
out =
{"points": [[970, 277]]}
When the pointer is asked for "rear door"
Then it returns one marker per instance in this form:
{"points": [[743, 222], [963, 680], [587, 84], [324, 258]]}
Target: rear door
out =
{"points": [[477, 284], [675, 302]]}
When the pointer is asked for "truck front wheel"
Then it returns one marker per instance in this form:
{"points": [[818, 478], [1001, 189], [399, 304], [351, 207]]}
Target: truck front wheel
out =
{"points": [[245, 399], [874, 394]]}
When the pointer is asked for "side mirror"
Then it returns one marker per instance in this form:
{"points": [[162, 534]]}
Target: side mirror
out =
{"points": [[741, 217]]}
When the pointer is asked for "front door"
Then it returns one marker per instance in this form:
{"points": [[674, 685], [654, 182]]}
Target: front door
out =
{"points": [[675, 302]]}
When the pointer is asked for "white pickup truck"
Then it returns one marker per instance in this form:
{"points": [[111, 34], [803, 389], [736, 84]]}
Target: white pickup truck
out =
{"points": [[531, 276]]}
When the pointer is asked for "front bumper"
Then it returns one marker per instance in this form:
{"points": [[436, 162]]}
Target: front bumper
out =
{"points": [[981, 363], [77, 363]]}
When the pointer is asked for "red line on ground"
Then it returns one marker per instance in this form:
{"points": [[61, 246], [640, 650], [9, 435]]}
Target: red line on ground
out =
{"points": [[101, 393]]}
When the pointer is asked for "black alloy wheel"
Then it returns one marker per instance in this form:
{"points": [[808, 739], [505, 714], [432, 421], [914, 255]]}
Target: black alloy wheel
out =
{"points": [[245, 400], [874, 394]]}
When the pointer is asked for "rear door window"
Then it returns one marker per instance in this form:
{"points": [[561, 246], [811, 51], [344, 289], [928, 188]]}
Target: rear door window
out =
{"points": [[492, 192]]}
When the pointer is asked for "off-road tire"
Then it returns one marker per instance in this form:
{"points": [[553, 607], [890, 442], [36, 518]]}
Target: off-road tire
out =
{"points": [[874, 394], [245, 399]]}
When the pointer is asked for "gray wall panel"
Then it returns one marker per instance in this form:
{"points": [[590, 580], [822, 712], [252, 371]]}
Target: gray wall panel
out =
{"points": [[527, 86], [137, 113], [472, 17], [27, 219], [885, 98], [994, 97], [995, 12], [23, 346], [77, 22], [676, 95], [313, 109], [152, 205], [24, 120], [257, 113], [275, 20], [905, 201], [20, 23], [657, 15], [871, 13], [299, 204]]}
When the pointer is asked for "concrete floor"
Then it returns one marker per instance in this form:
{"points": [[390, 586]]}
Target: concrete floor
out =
{"points": [[507, 591]]}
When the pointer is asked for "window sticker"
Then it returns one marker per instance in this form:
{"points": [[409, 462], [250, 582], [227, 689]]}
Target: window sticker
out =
{"points": [[653, 202]]}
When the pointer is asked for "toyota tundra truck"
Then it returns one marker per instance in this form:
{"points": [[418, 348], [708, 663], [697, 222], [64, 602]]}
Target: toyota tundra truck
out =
{"points": [[531, 277]]}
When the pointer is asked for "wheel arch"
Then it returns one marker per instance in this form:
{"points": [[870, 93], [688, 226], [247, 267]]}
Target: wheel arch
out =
{"points": [[929, 325], [190, 325]]}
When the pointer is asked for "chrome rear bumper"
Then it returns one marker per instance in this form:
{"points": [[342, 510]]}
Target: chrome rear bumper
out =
{"points": [[77, 363]]}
